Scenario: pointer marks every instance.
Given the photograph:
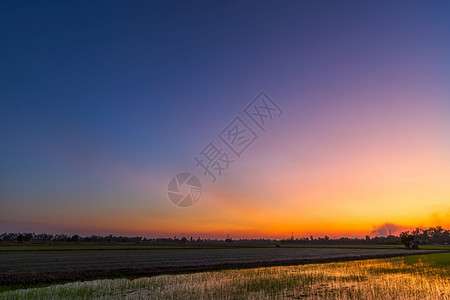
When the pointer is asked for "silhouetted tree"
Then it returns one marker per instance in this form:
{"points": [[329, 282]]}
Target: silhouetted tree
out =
{"points": [[408, 240], [27, 237], [20, 238]]}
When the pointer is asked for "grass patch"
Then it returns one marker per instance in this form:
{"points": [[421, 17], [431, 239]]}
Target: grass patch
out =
{"points": [[441, 260]]}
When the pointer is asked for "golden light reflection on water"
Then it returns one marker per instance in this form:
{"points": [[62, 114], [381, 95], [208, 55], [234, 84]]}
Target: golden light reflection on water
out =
{"points": [[368, 279]]}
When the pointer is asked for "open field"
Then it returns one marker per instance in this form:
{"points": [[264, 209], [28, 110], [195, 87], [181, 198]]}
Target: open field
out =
{"points": [[134, 246], [44, 267], [414, 277]]}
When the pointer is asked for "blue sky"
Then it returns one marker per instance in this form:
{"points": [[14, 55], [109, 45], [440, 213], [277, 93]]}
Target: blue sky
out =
{"points": [[99, 97]]}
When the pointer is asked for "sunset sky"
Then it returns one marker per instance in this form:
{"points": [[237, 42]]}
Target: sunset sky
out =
{"points": [[103, 102]]}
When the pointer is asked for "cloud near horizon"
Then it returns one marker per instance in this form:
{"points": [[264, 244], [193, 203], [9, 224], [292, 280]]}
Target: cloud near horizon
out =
{"points": [[387, 229]]}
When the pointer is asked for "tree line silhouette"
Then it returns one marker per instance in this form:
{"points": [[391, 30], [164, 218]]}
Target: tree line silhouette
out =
{"points": [[419, 236]]}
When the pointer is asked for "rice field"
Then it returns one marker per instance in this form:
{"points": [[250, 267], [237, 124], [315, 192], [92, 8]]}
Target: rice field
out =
{"points": [[28, 268], [414, 277]]}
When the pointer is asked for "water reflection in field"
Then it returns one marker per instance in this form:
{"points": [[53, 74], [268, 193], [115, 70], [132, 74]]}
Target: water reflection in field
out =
{"points": [[395, 278]]}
